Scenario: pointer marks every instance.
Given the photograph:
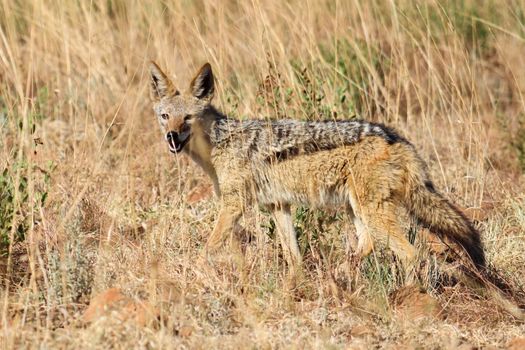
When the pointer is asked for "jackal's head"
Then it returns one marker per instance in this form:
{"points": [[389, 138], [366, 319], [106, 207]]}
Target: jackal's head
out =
{"points": [[181, 113]]}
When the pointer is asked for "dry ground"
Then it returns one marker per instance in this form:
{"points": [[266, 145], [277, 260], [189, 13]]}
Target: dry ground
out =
{"points": [[92, 202]]}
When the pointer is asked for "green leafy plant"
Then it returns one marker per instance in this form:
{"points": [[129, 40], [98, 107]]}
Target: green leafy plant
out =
{"points": [[15, 203], [17, 199]]}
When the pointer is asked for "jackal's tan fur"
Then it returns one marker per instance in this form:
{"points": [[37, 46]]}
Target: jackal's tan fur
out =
{"points": [[365, 168]]}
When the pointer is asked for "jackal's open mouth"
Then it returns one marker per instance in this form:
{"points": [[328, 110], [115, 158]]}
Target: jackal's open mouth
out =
{"points": [[174, 141], [176, 146]]}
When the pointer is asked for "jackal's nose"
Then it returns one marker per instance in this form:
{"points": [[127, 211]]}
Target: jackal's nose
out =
{"points": [[171, 136]]}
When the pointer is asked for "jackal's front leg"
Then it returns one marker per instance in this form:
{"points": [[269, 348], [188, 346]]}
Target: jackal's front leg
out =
{"points": [[224, 227], [233, 198], [225, 234]]}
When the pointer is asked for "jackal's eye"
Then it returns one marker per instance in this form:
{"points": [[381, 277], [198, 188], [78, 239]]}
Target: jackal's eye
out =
{"points": [[187, 117], [164, 116]]}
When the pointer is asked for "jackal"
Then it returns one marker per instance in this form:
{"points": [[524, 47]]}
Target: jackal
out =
{"points": [[364, 168]]}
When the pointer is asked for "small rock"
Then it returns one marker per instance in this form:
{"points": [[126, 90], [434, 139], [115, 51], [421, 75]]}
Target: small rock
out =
{"points": [[516, 344], [479, 213], [199, 193], [411, 303], [102, 303], [361, 330], [113, 302]]}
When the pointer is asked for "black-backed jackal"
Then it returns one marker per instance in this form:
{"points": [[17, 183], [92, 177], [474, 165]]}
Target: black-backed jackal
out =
{"points": [[365, 168]]}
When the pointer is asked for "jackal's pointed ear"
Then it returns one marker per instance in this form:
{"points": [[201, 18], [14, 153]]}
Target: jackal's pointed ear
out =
{"points": [[160, 84], [203, 86]]}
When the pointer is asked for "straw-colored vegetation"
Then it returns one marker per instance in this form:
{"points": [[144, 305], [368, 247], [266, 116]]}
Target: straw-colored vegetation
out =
{"points": [[91, 199]]}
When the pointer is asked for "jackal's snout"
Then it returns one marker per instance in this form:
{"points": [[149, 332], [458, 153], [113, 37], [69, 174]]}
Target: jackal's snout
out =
{"points": [[176, 141]]}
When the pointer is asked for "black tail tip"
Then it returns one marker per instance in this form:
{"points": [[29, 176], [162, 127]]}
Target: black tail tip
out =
{"points": [[478, 258]]}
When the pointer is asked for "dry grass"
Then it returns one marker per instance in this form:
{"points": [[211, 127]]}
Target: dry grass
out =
{"points": [[91, 198]]}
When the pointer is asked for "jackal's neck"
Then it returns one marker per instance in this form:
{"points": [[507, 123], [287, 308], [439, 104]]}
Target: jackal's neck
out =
{"points": [[200, 145]]}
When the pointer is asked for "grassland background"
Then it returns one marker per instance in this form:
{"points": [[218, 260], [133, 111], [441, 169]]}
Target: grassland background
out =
{"points": [[90, 197]]}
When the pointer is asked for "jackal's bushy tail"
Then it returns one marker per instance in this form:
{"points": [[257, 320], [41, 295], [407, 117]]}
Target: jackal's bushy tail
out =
{"points": [[440, 216]]}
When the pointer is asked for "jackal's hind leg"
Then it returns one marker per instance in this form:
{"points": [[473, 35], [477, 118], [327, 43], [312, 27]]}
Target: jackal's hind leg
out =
{"points": [[285, 229], [383, 224], [365, 244]]}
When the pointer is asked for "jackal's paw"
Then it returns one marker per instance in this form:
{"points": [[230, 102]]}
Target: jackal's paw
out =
{"points": [[212, 247], [203, 259]]}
